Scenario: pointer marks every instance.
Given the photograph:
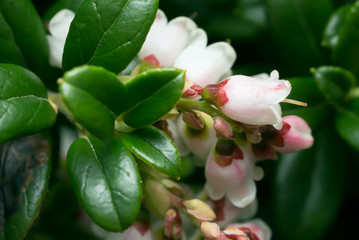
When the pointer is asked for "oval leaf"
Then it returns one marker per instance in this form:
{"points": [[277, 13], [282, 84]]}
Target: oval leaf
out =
{"points": [[155, 148], [346, 52], [347, 125], [108, 33], [24, 108], [106, 181], [99, 83], [152, 94], [25, 168], [307, 196], [296, 28], [331, 31], [88, 111], [334, 83], [24, 36]]}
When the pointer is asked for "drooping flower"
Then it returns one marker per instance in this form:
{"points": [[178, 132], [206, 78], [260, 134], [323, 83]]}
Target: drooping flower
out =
{"points": [[58, 27], [166, 40], [255, 229], [250, 100], [298, 137], [199, 142], [205, 64], [230, 172]]}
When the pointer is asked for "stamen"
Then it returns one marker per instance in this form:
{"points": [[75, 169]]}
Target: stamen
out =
{"points": [[295, 102]]}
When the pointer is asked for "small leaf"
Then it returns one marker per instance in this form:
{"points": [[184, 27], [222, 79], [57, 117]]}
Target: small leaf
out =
{"points": [[155, 148], [296, 28], [24, 108], [95, 97], [23, 37], [151, 95], [108, 33], [334, 83], [347, 125], [25, 169], [106, 181], [332, 30], [307, 196], [346, 52]]}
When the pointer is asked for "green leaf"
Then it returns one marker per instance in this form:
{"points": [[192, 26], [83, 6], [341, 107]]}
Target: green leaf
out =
{"points": [[307, 195], [152, 94], [331, 32], [99, 83], [347, 125], [25, 168], [22, 36], [24, 108], [95, 97], [108, 33], [334, 83], [155, 148], [296, 28], [106, 181], [346, 52]]}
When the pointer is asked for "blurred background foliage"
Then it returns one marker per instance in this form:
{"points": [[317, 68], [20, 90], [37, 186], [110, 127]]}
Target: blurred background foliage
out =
{"points": [[313, 194]]}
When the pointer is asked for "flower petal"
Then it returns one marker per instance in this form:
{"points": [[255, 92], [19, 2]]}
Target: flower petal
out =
{"points": [[56, 48], [59, 25]]}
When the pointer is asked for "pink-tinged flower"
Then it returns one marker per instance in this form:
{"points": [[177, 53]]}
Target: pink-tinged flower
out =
{"points": [[226, 212], [205, 64], [137, 231], [250, 100], [166, 40], [199, 142], [59, 27], [297, 137], [255, 230], [231, 174]]}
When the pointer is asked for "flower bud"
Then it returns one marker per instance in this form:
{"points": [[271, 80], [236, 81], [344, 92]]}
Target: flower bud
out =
{"points": [[298, 137], [193, 120], [223, 129], [255, 230], [156, 197], [173, 224], [210, 230], [250, 100], [199, 209]]}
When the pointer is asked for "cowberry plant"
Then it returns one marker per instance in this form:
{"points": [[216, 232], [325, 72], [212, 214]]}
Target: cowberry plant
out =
{"points": [[136, 119]]}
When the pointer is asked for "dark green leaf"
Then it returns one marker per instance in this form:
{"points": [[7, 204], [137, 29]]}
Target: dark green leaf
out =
{"points": [[88, 111], [99, 83], [331, 32], [106, 181], [334, 83], [346, 52], [108, 33], [22, 36], [24, 108], [24, 178], [155, 148], [296, 28], [309, 188], [347, 124], [152, 94]]}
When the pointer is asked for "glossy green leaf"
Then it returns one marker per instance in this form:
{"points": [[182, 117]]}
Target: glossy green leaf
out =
{"points": [[155, 148], [25, 168], [346, 52], [106, 181], [334, 83], [347, 125], [95, 97], [152, 94], [24, 108], [296, 28], [22, 36], [99, 83], [309, 188], [108, 33], [332, 30]]}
